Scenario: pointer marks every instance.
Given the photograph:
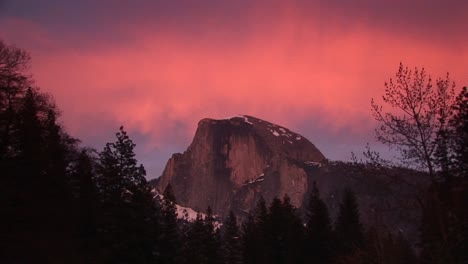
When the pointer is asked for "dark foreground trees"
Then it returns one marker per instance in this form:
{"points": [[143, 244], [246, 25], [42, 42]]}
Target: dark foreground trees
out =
{"points": [[35, 153], [127, 212], [427, 124], [62, 203], [320, 247]]}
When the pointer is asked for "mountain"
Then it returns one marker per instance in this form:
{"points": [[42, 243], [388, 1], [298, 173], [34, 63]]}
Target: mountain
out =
{"points": [[232, 162]]}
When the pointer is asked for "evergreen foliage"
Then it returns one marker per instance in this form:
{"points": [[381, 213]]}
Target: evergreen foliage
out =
{"points": [[254, 234], [231, 241], [62, 203], [127, 207], [171, 243], [348, 226], [319, 237]]}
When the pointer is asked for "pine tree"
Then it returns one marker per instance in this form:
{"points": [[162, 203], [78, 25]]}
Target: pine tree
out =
{"points": [[249, 239], [348, 228], [86, 206], [254, 235], [318, 229], [127, 205], [211, 239], [195, 249], [231, 248], [294, 233], [459, 124], [285, 233], [171, 243], [30, 136], [443, 229]]}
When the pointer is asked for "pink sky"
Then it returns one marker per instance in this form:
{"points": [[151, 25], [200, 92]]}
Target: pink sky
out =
{"points": [[313, 72]]}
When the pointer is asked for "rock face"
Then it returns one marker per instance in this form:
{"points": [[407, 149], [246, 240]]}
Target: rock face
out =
{"points": [[231, 162]]}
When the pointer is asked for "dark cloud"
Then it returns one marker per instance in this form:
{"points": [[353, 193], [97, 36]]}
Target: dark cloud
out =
{"points": [[320, 44], [433, 19]]}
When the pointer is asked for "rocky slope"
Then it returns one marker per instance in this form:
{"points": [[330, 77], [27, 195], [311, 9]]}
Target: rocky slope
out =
{"points": [[231, 162]]}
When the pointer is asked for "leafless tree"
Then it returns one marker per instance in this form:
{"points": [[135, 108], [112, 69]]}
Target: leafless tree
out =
{"points": [[414, 114]]}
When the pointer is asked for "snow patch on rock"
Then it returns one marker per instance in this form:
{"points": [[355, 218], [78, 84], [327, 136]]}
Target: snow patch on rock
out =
{"points": [[260, 178]]}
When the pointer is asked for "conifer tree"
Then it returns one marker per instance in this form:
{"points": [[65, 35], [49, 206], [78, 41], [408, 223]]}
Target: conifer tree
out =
{"points": [[254, 235], [171, 243], [127, 205], [33, 173], [348, 228], [285, 233], [30, 136], [195, 249], [249, 254], [459, 125], [318, 229], [211, 239], [231, 248], [86, 206]]}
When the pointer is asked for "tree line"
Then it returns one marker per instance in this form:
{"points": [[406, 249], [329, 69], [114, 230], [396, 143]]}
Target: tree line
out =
{"points": [[64, 203]]}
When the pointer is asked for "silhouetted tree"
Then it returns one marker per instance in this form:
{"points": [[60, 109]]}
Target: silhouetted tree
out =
{"points": [[420, 112], [429, 129], [444, 218], [14, 82], [348, 228], [211, 238], [249, 254], [171, 244], [285, 233], [127, 205], [318, 229], [34, 183], [86, 207], [254, 234], [202, 242], [459, 137], [194, 250], [231, 241]]}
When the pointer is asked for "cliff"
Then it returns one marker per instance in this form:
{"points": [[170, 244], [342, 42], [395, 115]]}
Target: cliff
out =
{"points": [[231, 162]]}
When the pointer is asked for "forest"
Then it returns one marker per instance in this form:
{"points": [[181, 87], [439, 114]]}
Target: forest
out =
{"points": [[62, 202]]}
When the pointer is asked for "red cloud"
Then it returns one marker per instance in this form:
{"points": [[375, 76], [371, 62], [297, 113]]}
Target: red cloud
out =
{"points": [[288, 70]]}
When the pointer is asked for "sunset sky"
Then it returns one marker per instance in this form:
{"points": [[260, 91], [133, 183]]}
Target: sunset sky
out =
{"points": [[159, 66]]}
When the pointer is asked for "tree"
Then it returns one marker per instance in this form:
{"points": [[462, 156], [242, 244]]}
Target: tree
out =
{"points": [[212, 238], [285, 233], [459, 134], [418, 114], [202, 242], [86, 206], [171, 243], [254, 235], [14, 82], [31, 136], [348, 228], [34, 188], [195, 249], [231, 243], [318, 229], [127, 205], [428, 127]]}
